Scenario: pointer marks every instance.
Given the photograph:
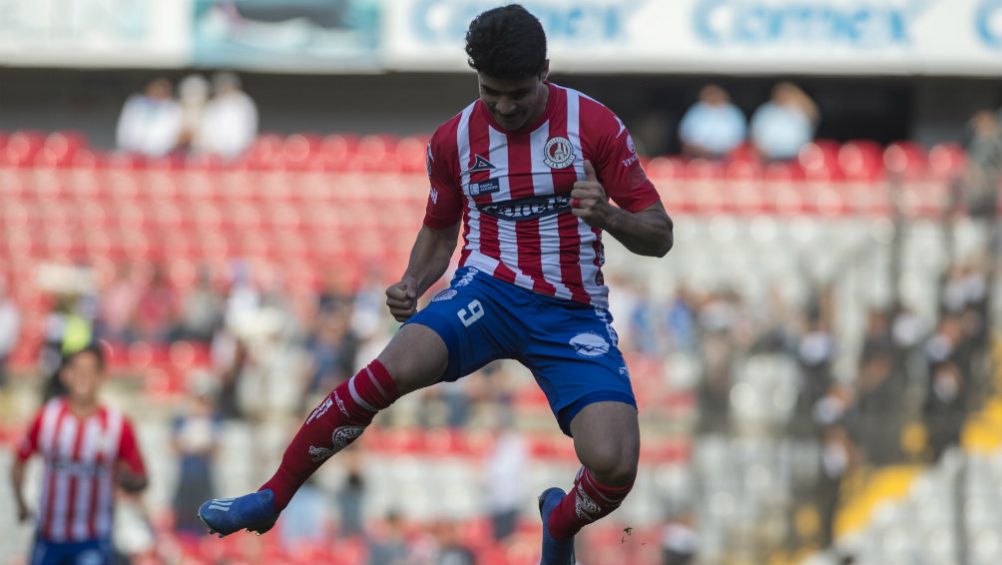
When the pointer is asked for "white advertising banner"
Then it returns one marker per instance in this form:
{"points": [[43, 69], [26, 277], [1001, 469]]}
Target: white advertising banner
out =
{"points": [[951, 37], [95, 33]]}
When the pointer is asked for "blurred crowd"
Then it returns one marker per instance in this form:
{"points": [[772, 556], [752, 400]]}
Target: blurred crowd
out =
{"points": [[211, 118], [714, 127]]}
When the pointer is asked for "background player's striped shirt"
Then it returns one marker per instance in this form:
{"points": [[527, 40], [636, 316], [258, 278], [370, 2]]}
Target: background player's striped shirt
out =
{"points": [[80, 456], [512, 191]]}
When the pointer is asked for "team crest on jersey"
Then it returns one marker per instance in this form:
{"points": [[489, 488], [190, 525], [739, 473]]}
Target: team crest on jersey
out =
{"points": [[558, 153], [481, 164]]}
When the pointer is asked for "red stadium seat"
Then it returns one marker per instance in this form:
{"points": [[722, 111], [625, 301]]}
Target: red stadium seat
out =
{"points": [[668, 168], [60, 148], [947, 161], [22, 147], [819, 159], [905, 159], [861, 160]]}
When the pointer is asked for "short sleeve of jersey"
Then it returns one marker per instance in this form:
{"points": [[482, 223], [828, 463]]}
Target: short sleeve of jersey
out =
{"points": [[615, 159], [445, 202], [29, 443], [128, 450]]}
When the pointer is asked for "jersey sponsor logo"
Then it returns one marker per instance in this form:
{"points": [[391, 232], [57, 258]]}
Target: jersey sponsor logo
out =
{"points": [[630, 145], [530, 208], [433, 195], [489, 187], [558, 153], [481, 164], [446, 294], [589, 344], [77, 469]]}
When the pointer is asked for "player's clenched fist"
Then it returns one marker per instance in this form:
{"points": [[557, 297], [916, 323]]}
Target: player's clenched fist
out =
{"points": [[401, 299], [589, 201]]}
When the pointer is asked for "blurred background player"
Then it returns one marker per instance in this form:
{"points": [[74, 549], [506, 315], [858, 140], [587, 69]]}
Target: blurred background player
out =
{"points": [[530, 166], [89, 450]]}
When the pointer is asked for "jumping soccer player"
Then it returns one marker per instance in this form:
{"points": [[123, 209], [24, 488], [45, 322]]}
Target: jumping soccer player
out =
{"points": [[528, 168], [88, 449]]}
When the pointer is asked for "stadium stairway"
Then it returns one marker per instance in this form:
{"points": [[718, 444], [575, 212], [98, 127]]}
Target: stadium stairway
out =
{"points": [[879, 502]]}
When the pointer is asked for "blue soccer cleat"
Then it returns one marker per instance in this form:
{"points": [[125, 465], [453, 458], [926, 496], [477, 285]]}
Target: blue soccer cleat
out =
{"points": [[254, 512], [555, 552]]}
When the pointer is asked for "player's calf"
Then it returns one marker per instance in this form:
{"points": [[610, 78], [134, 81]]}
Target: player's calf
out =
{"points": [[336, 422]]}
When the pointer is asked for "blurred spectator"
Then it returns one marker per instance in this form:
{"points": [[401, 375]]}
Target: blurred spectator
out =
{"points": [[351, 497], [815, 354], [118, 306], [229, 123], [681, 320], [782, 126], [944, 408], [837, 458], [984, 153], [201, 310], [679, 541], [387, 545], [506, 467], [157, 309], [193, 95], [10, 324], [332, 356], [880, 389], [194, 439], [452, 550], [231, 358], [712, 127], [67, 331], [150, 122]]}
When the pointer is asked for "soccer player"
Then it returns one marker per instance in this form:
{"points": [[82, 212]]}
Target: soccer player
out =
{"points": [[526, 170], [88, 450]]}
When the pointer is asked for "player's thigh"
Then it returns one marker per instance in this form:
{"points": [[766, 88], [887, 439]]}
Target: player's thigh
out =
{"points": [[607, 440], [416, 357], [573, 355], [462, 329]]}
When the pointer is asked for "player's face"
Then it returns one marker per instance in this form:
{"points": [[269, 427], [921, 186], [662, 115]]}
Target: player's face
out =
{"points": [[82, 377], [514, 103]]}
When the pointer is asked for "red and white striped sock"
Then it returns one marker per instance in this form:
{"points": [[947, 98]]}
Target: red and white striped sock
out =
{"points": [[337, 421], [588, 501]]}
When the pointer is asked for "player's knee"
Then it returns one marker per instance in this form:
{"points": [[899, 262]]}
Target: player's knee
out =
{"points": [[613, 465]]}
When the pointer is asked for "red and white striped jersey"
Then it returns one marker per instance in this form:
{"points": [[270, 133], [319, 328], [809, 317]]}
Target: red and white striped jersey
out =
{"points": [[80, 456], [512, 191]]}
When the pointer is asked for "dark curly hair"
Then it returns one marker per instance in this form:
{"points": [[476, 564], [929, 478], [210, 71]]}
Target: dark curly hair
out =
{"points": [[506, 43]]}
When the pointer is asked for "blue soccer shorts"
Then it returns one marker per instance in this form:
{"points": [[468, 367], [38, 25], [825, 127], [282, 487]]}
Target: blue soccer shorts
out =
{"points": [[570, 348], [92, 552]]}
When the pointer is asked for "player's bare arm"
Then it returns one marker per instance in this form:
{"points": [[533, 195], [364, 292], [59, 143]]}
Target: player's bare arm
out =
{"points": [[647, 232], [129, 480], [429, 259], [17, 482]]}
